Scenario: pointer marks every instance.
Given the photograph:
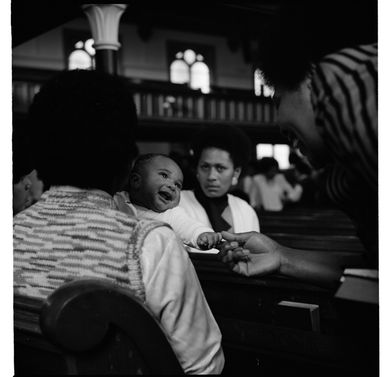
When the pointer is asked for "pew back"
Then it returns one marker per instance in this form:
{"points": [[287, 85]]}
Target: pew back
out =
{"points": [[312, 333], [260, 338], [89, 327]]}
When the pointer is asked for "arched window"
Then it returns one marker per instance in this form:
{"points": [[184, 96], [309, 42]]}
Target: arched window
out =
{"points": [[260, 88], [189, 68], [200, 77], [82, 56], [179, 71]]}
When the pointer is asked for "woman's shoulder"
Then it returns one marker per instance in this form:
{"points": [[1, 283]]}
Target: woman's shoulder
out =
{"points": [[244, 216], [238, 201]]}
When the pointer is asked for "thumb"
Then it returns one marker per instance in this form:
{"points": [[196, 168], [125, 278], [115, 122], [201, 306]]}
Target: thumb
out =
{"points": [[239, 237]]}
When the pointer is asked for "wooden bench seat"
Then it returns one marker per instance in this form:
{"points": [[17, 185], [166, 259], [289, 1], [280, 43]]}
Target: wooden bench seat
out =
{"points": [[323, 230], [318, 242], [258, 340], [89, 327], [262, 337], [307, 221]]}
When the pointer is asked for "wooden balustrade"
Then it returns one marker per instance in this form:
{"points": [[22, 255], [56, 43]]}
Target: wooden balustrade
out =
{"points": [[163, 100]]}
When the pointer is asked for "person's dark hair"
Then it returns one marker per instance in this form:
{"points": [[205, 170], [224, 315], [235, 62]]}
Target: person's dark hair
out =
{"points": [[82, 129], [267, 163], [228, 138], [304, 31]]}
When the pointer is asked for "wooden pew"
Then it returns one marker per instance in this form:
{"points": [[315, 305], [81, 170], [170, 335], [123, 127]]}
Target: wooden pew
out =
{"points": [[322, 230], [301, 220], [263, 337], [89, 327], [259, 340]]}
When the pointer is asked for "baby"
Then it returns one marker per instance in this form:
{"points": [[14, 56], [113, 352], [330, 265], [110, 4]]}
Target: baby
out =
{"points": [[154, 191]]}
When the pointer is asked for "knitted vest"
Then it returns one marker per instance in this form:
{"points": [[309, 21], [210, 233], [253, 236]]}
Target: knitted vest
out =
{"points": [[72, 233]]}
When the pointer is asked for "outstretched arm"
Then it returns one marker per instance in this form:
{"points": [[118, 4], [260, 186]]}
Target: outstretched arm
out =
{"points": [[266, 256]]}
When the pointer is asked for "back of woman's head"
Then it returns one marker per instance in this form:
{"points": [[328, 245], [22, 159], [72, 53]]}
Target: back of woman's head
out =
{"points": [[227, 138], [82, 129]]}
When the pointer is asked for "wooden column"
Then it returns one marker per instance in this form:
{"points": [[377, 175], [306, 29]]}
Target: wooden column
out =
{"points": [[104, 22]]}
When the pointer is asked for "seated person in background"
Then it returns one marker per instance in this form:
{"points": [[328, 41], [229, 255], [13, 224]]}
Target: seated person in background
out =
{"points": [[22, 194], [82, 125], [247, 184], [273, 190], [327, 106], [220, 152], [301, 172], [154, 192], [27, 187]]}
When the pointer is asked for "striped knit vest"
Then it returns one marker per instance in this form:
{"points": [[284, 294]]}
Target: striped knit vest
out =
{"points": [[73, 233]]}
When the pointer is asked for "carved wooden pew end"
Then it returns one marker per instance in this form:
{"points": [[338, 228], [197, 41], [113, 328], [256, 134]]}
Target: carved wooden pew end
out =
{"points": [[89, 327]]}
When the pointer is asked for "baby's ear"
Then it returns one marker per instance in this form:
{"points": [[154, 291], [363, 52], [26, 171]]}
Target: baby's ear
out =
{"points": [[135, 181]]}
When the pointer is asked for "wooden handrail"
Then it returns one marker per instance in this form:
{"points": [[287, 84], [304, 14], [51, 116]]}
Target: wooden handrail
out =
{"points": [[164, 100]]}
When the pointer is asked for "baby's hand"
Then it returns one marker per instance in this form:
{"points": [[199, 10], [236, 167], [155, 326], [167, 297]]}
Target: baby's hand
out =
{"points": [[208, 240]]}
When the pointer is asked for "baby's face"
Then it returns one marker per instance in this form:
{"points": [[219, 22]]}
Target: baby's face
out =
{"points": [[162, 182]]}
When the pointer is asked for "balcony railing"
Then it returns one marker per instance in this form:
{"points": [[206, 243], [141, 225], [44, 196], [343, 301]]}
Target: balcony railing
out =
{"points": [[164, 101]]}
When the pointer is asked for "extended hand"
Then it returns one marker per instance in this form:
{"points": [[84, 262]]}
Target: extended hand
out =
{"points": [[263, 253]]}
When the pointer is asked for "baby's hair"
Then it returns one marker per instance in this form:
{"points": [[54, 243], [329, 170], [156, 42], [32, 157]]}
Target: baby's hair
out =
{"points": [[144, 159]]}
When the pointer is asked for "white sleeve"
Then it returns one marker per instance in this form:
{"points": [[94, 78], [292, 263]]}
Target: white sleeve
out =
{"points": [[293, 193], [253, 218], [187, 228], [174, 295], [296, 193], [244, 216], [255, 221]]}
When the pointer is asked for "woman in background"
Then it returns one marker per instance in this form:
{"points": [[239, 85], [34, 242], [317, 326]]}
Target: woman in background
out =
{"points": [[220, 152]]}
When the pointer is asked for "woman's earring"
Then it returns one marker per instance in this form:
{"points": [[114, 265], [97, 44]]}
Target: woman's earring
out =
{"points": [[234, 181]]}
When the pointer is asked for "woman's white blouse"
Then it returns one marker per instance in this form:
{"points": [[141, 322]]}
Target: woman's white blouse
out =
{"points": [[244, 216]]}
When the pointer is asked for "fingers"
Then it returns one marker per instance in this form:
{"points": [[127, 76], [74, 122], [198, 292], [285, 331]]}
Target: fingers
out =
{"points": [[241, 268], [227, 246], [235, 255]]}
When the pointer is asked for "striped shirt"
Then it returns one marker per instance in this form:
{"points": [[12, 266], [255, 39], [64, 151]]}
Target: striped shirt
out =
{"points": [[344, 98], [344, 95]]}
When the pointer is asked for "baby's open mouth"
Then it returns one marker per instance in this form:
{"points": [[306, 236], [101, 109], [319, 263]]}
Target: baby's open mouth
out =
{"points": [[165, 195]]}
